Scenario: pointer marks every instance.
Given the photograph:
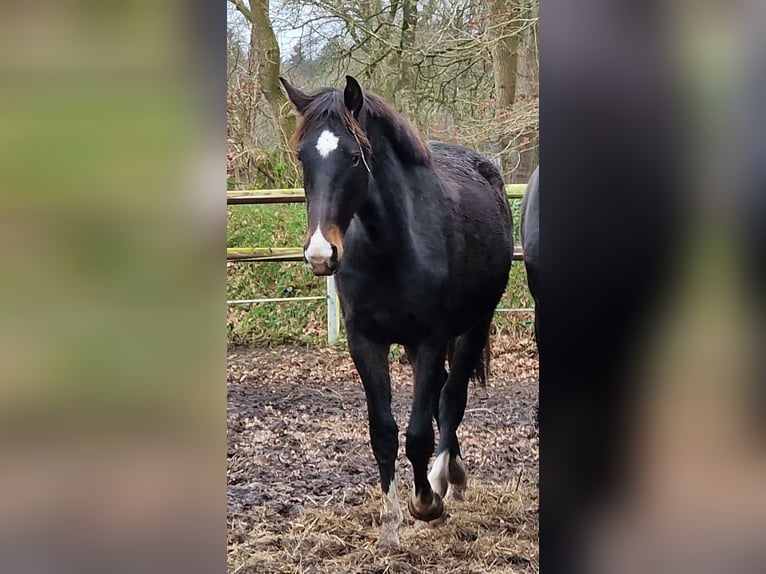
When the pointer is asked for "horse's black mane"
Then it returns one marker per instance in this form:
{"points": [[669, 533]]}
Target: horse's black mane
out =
{"points": [[328, 102]]}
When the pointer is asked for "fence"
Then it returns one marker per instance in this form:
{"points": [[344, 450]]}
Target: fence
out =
{"points": [[271, 254]]}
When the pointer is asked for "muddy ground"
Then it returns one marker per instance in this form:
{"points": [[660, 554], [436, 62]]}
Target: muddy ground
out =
{"points": [[302, 481]]}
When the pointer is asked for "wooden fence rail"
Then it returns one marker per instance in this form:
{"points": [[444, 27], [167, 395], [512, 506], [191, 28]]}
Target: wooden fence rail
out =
{"points": [[262, 254], [296, 195]]}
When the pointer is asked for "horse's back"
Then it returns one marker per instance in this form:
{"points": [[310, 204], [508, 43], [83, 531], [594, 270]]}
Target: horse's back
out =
{"points": [[475, 183], [462, 164]]}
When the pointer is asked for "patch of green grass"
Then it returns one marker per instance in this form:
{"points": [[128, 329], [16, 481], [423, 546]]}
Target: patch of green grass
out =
{"points": [[304, 322], [272, 323]]}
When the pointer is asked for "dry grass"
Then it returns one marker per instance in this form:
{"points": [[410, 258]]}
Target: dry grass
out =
{"points": [[493, 530]]}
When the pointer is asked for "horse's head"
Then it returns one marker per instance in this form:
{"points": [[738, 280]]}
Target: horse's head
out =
{"points": [[334, 151]]}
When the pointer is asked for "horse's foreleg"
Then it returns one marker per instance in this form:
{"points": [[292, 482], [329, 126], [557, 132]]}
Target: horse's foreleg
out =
{"points": [[371, 360], [428, 370]]}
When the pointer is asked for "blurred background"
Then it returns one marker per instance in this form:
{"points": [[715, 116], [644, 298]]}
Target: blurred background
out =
{"points": [[652, 385], [112, 345]]}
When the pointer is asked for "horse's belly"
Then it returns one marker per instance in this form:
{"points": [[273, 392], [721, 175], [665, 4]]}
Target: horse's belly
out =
{"points": [[474, 298], [388, 325]]}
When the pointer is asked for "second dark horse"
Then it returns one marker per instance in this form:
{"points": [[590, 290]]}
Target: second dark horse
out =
{"points": [[419, 236], [530, 243]]}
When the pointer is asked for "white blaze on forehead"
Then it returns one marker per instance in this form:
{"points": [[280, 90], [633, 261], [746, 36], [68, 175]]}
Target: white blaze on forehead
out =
{"points": [[326, 143], [319, 248]]}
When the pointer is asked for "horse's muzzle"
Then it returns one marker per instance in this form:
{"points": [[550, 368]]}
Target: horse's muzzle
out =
{"points": [[323, 269], [322, 266], [322, 255]]}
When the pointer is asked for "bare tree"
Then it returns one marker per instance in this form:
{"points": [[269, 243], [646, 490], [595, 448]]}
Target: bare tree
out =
{"points": [[463, 71], [407, 74], [265, 58], [526, 145], [503, 29]]}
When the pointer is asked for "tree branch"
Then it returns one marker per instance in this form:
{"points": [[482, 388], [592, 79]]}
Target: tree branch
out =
{"points": [[240, 5]]}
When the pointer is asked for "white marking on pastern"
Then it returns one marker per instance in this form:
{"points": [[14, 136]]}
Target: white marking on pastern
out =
{"points": [[390, 518], [326, 143], [439, 475]]}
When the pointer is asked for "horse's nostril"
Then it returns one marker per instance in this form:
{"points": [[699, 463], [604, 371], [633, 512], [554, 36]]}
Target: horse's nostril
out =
{"points": [[324, 262]]}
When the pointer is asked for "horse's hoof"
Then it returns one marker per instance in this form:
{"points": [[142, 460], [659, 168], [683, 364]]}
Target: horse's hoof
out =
{"points": [[431, 512], [432, 523]]}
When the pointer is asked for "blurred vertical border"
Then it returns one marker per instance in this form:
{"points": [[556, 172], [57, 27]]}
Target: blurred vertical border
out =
{"points": [[112, 297], [652, 381]]}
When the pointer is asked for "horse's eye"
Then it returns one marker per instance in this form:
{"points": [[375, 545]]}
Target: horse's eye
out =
{"points": [[355, 158]]}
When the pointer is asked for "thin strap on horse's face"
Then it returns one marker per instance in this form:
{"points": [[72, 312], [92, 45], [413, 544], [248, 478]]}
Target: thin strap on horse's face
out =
{"points": [[361, 150]]}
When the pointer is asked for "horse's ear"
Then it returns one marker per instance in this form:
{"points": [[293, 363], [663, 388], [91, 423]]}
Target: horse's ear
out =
{"points": [[299, 99], [353, 96]]}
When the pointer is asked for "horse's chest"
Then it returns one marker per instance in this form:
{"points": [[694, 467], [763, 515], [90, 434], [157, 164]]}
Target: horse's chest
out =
{"points": [[389, 306], [383, 300], [390, 323]]}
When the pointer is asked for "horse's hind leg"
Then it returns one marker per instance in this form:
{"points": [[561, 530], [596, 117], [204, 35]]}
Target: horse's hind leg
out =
{"points": [[437, 386], [448, 469], [371, 360]]}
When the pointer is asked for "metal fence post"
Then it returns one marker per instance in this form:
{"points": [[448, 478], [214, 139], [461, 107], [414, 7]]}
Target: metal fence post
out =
{"points": [[333, 314]]}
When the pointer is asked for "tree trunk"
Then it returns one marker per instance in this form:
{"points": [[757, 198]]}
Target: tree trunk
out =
{"points": [[505, 41], [265, 56], [526, 91], [405, 92]]}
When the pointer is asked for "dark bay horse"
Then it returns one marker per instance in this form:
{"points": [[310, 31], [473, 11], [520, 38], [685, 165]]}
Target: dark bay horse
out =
{"points": [[419, 236], [530, 243]]}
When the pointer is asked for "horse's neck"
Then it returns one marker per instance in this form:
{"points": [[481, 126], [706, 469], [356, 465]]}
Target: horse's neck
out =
{"points": [[392, 204]]}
